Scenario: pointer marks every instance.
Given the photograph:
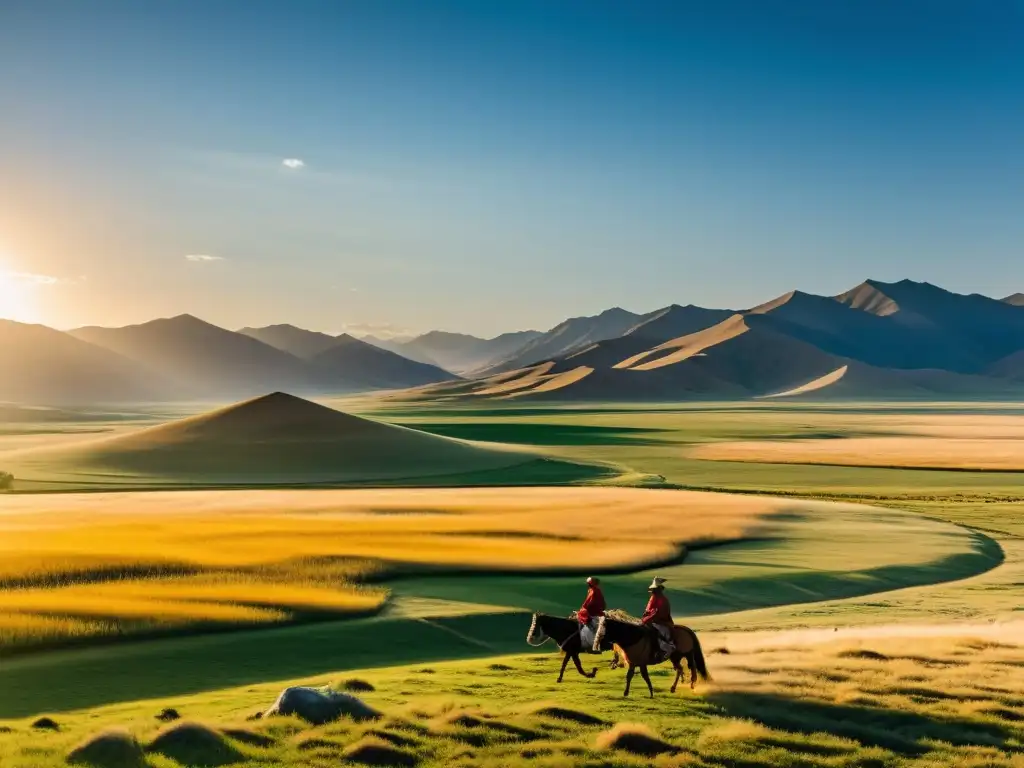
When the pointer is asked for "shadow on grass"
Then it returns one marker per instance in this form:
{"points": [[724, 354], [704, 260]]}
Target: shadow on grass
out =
{"points": [[896, 730], [59, 681]]}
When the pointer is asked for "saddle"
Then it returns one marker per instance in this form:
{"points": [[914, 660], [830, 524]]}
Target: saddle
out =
{"points": [[680, 639]]}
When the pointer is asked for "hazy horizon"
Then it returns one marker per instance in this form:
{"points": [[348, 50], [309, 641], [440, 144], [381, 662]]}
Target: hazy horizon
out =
{"points": [[485, 168]]}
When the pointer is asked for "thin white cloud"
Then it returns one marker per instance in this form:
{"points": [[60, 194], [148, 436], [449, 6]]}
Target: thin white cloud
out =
{"points": [[34, 279], [293, 163], [385, 331], [202, 257]]}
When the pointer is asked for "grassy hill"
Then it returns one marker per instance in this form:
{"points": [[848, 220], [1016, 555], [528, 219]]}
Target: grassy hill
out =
{"points": [[274, 439]]}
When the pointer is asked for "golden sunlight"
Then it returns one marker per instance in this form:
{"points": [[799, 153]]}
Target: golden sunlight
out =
{"points": [[16, 298]]}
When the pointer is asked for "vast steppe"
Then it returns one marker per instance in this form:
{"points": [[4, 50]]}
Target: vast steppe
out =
{"points": [[853, 571]]}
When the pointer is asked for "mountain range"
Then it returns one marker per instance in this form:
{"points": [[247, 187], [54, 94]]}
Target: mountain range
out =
{"points": [[877, 340], [185, 358]]}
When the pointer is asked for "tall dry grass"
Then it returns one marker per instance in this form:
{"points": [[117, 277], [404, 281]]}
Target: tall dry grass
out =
{"points": [[160, 560]]}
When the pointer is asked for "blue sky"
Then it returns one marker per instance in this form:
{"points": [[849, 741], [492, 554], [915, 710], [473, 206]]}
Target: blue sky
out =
{"points": [[489, 166]]}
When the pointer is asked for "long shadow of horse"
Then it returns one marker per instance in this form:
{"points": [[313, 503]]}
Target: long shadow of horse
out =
{"points": [[892, 729]]}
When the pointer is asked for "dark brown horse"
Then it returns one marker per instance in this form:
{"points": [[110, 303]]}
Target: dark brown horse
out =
{"points": [[566, 634], [636, 647]]}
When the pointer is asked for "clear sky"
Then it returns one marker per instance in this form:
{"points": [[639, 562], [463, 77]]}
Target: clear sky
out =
{"points": [[490, 166]]}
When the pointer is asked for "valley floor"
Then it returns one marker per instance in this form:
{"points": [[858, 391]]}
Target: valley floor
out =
{"points": [[879, 625]]}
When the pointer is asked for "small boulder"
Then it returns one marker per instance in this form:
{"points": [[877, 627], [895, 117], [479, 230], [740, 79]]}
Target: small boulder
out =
{"points": [[319, 706], [115, 748], [46, 724]]}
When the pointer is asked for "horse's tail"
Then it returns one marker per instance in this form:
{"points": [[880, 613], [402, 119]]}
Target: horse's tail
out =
{"points": [[698, 659]]}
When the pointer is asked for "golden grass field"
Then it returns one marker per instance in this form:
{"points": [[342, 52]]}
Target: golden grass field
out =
{"points": [[95, 563], [937, 442]]}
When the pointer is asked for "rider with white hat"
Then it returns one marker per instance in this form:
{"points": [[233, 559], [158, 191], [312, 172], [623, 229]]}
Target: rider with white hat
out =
{"points": [[658, 615]]}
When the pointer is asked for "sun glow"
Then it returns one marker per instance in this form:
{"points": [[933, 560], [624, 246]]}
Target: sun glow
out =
{"points": [[18, 291], [16, 298]]}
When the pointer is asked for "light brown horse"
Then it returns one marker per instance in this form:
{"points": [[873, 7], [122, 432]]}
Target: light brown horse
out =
{"points": [[636, 647]]}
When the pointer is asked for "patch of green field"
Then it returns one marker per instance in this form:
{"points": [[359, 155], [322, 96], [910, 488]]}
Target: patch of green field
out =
{"points": [[662, 453], [532, 433], [68, 680], [842, 704], [816, 554]]}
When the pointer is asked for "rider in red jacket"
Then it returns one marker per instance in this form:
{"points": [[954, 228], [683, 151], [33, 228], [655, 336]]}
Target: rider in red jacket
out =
{"points": [[593, 605], [658, 614], [658, 610]]}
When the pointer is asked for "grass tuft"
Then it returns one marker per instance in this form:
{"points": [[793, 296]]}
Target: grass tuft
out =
{"points": [[376, 752], [252, 738], [568, 715], [863, 653], [195, 744], [635, 739], [114, 748], [355, 685]]}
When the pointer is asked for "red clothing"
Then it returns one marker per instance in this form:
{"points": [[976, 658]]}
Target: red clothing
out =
{"points": [[592, 606], [658, 610]]}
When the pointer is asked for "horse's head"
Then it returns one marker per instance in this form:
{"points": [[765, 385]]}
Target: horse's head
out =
{"points": [[536, 635]]}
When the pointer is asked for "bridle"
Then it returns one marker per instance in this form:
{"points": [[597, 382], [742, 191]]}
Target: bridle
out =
{"points": [[529, 635]]}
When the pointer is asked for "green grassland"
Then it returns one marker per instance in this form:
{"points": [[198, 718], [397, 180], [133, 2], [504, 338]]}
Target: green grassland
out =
{"points": [[934, 548], [834, 704]]}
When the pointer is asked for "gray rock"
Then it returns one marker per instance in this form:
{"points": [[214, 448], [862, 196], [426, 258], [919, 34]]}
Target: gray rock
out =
{"points": [[320, 705]]}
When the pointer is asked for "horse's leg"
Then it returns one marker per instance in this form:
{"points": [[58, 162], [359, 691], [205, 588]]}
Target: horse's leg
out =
{"points": [[629, 679], [579, 667], [691, 662], [647, 679], [679, 672], [565, 661]]}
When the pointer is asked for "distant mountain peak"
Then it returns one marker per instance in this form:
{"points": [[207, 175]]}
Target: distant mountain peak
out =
{"points": [[1017, 299], [183, 319]]}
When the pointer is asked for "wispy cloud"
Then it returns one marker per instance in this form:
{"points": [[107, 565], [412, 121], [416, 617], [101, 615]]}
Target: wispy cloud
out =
{"points": [[293, 162], [33, 279], [380, 330], [202, 257]]}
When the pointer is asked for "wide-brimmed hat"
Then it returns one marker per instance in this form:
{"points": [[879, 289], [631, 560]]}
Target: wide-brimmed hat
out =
{"points": [[657, 583], [593, 580]]}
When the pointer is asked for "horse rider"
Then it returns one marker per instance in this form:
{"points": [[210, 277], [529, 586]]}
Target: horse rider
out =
{"points": [[593, 608], [658, 615]]}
